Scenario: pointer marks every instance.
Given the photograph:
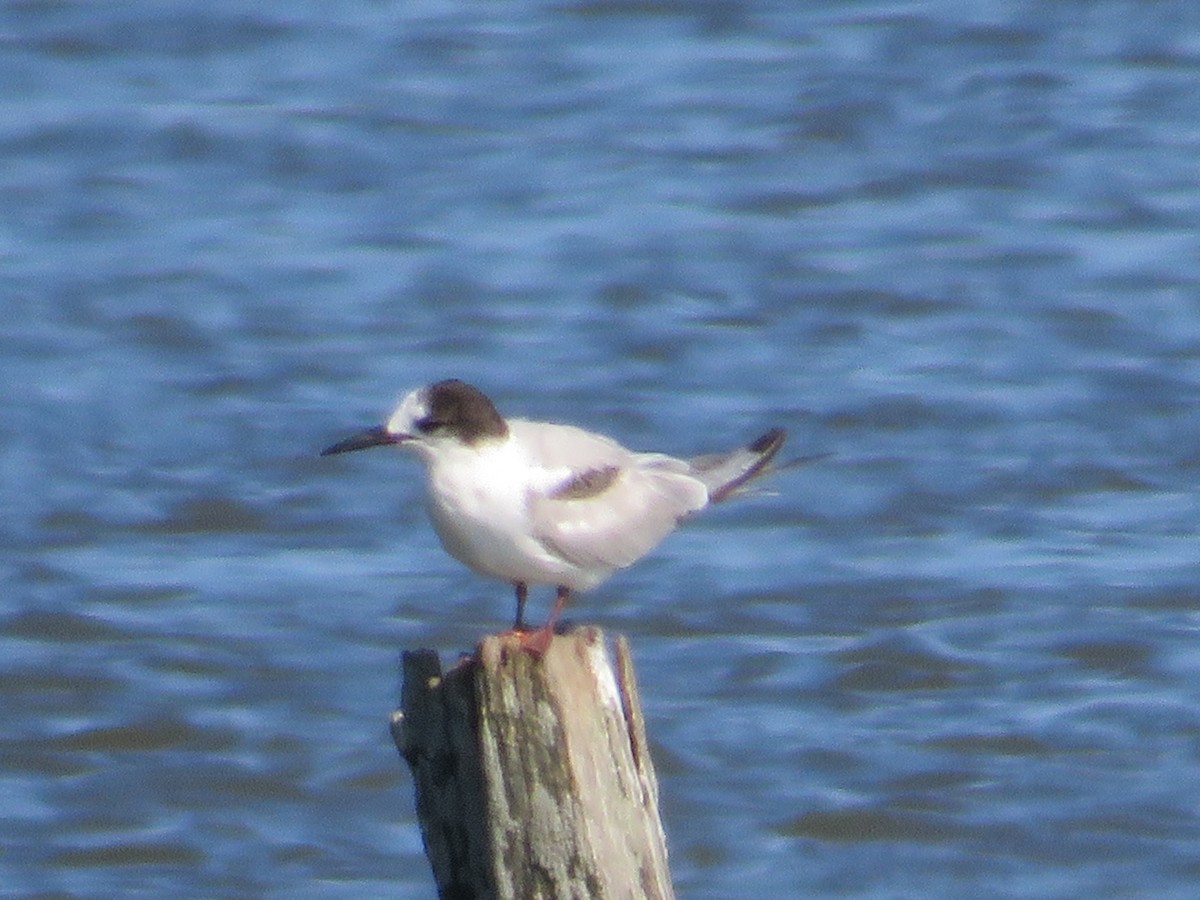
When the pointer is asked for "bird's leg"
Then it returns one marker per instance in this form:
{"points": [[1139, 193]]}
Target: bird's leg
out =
{"points": [[538, 642], [522, 594], [560, 600]]}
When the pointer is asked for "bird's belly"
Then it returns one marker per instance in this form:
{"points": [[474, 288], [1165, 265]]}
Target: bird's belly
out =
{"points": [[486, 527]]}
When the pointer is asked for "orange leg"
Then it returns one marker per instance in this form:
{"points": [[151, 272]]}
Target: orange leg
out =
{"points": [[538, 642]]}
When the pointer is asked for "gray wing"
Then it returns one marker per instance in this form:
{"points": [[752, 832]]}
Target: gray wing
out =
{"points": [[619, 523], [606, 507]]}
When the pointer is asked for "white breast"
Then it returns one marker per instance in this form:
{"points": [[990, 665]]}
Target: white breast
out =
{"points": [[477, 500]]}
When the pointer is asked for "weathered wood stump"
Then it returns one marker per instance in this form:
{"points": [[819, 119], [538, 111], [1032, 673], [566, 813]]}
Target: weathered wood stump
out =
{"points": [[533, 778]]}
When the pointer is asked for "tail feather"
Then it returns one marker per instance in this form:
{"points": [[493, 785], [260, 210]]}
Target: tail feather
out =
{"points": [[724, 474]]}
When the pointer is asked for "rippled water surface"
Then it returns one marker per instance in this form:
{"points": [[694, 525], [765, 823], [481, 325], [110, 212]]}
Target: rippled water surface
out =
{"points": [[955, 246]]}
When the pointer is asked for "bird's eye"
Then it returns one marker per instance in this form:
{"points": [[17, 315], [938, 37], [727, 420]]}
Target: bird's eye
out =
{"points": [[427, 424]]}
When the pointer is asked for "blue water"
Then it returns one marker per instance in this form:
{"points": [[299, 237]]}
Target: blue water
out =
{"points": [[954, 245]]}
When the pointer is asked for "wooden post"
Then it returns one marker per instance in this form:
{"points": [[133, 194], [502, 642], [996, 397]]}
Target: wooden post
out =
{"points": [[533, 777]]}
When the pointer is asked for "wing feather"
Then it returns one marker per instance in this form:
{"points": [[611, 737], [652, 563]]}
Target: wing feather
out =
{"points": [[613, 528], [599, 505]]}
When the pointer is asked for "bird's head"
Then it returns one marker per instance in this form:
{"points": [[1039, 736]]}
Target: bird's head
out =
{"points": [[434, 417]]}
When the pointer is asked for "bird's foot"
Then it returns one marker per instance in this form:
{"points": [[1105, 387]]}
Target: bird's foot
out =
{"points": [[537, 642], [534, 641]]}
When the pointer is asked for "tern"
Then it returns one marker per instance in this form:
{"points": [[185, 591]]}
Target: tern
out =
{"points": [[540, 503]]}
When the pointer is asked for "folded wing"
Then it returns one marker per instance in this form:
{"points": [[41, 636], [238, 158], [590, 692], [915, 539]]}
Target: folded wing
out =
{"points": [[610, 516], [601, 506]]}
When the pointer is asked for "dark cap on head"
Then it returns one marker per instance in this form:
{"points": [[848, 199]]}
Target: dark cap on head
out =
{"points": [[462, 410]]}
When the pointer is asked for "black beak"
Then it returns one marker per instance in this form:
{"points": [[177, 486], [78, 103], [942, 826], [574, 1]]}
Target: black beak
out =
{"points": [[372, 437]]}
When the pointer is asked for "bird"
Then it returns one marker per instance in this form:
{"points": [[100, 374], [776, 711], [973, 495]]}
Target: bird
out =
{"points": [[543, 503]]}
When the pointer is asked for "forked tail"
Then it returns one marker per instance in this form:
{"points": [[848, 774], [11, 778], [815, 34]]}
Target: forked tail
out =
{"points": [[725, 474]]}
